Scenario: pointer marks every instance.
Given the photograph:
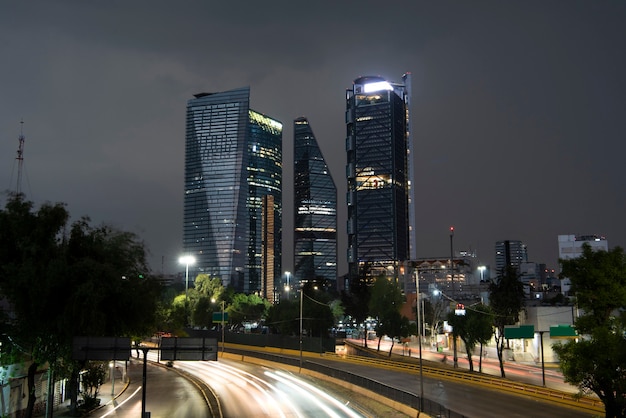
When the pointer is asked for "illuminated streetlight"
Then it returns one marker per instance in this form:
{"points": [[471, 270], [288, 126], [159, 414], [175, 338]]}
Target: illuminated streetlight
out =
{"points": [[112, 367], [482, 272], [288, 286], [187, 260]]}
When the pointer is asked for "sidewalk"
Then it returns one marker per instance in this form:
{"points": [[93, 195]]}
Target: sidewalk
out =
{"points": [[524, 371], [109, 390]]}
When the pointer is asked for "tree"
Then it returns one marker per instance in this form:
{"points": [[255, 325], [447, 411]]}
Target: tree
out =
{"points": [[475, 327], [506, 298], [356, 301], [597, 362], [90, 282], [385, 305], [282, 317], [317, 317], [247, 308]]}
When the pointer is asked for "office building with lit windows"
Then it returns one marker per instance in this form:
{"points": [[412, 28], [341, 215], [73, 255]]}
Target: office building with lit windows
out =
{"points": [[511, 253], [315, 207], [379, 171], [233, 161]]}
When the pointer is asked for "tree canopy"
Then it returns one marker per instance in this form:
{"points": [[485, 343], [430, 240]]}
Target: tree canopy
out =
{"points": [[597, 362], [475, 327], [506, 299], [92, 281]]}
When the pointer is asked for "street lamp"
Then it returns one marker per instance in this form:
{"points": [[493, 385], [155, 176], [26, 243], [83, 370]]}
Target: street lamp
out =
{"points": [[287, 286], [223, 329], [419, 340], [187, 260], [456, 359], [301, 301], [482, 272], [112, 367]]}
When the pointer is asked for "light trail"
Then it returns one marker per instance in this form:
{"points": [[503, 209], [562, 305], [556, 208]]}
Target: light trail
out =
{"points": [[120, 404]]}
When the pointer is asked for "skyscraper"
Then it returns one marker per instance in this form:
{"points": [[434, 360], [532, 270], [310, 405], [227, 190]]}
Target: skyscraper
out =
{"points": [[510, 253], [233, 159], [315, 206], [378, 145]]}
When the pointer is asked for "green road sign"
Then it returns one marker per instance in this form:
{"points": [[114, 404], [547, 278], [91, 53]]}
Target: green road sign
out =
{"points": [[522, 331], [563, 331], [217, 317]]}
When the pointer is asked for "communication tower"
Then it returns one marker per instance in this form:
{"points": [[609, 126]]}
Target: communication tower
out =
{"points": [[20, 159]]}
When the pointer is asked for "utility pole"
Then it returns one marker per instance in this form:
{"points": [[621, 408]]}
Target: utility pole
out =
{"points": [[456, 358]]}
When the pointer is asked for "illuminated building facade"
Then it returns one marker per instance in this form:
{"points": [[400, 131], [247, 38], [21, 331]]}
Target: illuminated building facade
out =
{"points": [[510, 253], [233, 159], [379, 171], [315, 205]]}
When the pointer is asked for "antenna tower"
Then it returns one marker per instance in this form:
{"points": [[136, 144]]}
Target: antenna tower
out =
{"points": [[20, 159]]}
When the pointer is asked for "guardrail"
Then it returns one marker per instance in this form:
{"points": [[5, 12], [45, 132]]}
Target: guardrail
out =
{"points": [[553, 395], [406, 398]]}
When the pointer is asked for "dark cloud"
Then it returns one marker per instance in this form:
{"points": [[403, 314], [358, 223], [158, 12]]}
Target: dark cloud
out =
{"points": [[517, 106]]}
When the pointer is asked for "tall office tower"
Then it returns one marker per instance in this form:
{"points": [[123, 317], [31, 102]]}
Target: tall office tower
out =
{"points": [[510, 253], [378, 169], [233, 158], [315, 206]]}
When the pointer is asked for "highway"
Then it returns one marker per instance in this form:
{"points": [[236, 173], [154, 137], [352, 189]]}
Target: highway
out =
{"points": [[167, 395], [250, 388], [247, 390]]}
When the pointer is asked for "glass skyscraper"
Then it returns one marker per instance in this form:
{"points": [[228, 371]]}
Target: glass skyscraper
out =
{"points": [[315, 206], [233, 160], [379, 171]]}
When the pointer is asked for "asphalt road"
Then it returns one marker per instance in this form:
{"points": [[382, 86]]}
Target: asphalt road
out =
{"points": [[250, 391], [168, 395]]}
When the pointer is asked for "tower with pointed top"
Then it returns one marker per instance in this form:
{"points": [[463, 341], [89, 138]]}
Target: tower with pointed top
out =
{"points": [[315, 211]]}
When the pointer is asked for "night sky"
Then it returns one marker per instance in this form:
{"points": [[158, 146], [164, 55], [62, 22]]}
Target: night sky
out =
{"points": [[518, 108]]}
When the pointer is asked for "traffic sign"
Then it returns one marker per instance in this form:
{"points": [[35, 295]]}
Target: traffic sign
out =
{"points": [[563, 331], [188, 348], [522, 331], [101, 348], [217, 317]]}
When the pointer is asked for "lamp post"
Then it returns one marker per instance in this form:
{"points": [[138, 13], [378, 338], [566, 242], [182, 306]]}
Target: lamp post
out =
{"points": [[419, 340], [223, 328], [288, 286], [455, 357], [482, 272], [187, 260], [301, 304], [112, 366]]}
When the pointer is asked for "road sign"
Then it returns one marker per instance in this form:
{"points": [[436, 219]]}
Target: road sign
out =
{"points": [[522, 331], [563, 331], [101, 348], [188, 348], [217, 317]]}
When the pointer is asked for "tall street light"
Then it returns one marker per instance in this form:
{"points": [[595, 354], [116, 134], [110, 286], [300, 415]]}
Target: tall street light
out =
{"points": [[482, 272], [456, 359], [288, 286], [301, 304], [187, 260], [223, 326], [419, 339]]}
